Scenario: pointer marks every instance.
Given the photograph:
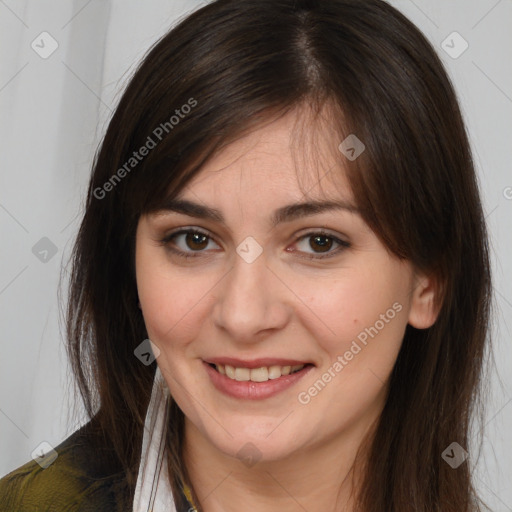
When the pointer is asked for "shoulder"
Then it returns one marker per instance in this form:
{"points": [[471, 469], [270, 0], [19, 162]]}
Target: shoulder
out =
{"points": [[85, 476]]}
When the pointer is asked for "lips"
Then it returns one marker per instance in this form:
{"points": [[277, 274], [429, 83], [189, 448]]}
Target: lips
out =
{"points": [[259, 386], [255, 363]]}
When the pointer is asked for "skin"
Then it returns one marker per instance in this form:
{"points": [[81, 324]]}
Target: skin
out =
{"points": [[280, 305]]}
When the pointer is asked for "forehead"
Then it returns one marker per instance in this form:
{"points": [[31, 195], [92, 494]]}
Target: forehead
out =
{"points": [[292, 157]]}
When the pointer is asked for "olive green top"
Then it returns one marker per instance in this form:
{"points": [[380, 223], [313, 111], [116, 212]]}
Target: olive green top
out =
{"points": [[86, 476]]}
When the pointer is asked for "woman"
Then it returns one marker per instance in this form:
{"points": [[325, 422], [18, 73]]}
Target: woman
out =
{"points": [[280, 287]]}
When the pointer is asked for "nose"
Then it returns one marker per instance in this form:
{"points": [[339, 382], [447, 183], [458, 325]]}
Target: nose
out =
{"points": [[250, 301]]}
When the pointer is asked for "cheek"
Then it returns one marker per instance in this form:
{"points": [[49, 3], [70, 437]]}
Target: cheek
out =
{"points": [[360, 314], [362, 320], [171, 301]]}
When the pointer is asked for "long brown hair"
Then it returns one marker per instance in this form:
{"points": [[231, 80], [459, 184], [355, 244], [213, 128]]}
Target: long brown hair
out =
{"points": [[236, 63]]}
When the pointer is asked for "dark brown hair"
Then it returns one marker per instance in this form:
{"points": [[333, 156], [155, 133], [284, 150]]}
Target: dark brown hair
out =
{"points": [[237, 63]]}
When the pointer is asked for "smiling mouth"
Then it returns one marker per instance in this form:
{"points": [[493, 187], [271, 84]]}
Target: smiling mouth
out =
{"points": [[262, 374]]}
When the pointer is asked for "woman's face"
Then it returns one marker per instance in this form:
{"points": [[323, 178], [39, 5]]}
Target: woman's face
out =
{"points": [[270, 285]]}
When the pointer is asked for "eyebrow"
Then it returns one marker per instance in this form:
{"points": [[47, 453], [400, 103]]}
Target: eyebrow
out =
{"points": [[286, 213]]}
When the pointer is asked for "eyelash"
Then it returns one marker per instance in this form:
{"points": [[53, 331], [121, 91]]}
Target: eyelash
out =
{"points": [[195, 254]]}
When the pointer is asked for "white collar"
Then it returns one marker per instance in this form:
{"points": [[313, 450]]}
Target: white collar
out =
{"points": [[153, 491]]}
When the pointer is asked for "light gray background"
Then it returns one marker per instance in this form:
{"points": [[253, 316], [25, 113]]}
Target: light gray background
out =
{"points": [[53, 114]]}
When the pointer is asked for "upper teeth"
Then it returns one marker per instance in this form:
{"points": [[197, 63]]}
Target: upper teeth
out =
{"points": [[257, 374]]}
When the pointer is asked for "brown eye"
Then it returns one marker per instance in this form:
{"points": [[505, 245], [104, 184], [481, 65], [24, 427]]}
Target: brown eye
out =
{"points": [[187, 243], [323, 245], [322, 242], [196, 241]]}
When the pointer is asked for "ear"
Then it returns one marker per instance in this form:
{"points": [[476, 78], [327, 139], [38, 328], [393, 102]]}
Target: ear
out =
{"points": [[423, 312]]}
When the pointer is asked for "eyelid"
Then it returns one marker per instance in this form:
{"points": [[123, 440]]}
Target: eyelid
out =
{"points": [[310, 232], [343, 244], [183, 231]]}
